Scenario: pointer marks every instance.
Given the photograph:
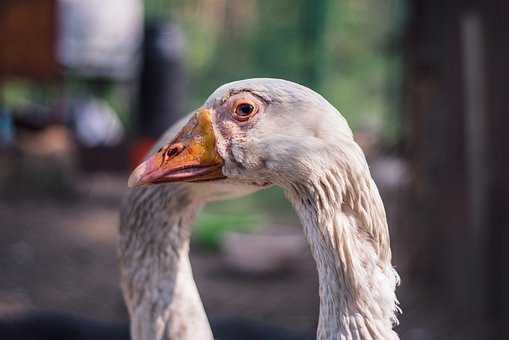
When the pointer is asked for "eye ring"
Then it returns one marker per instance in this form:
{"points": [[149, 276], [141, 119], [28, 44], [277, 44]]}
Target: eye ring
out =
{"points": [[245, 110]]}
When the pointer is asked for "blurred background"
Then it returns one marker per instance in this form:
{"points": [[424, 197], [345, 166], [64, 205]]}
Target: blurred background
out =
{"points": [[86, 87]]}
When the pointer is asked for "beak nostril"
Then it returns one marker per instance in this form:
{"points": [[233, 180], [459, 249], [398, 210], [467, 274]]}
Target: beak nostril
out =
{"points": [[174, 150]]}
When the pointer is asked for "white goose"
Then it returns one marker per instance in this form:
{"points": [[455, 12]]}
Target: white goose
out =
{"points": [[250, 134]]}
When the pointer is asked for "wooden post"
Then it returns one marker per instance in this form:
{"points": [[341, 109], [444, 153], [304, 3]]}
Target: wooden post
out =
{"points": [[456, 101], [496, 223]]}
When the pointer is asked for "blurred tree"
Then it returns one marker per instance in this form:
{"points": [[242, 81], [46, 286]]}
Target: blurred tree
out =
{"points": [[314, 25], [343, 49]]}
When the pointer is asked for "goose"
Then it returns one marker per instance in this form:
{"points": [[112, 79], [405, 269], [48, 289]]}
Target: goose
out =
{"points": [[156, 276], [248, 135]]}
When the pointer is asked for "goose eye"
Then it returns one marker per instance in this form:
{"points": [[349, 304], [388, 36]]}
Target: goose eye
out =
{"points": [[244, 111]]}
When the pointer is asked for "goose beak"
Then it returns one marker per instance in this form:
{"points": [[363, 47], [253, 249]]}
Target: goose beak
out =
{"points": [[191, 157]]}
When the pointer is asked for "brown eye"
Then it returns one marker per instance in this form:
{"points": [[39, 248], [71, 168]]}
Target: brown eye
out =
{"points": [[244, 111]]}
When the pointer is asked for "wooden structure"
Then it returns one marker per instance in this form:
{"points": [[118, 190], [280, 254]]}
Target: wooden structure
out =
{"points": [[28, 38], [457, 56]]}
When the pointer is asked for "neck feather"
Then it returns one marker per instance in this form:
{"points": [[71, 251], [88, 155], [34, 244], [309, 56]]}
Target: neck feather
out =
{"points": [[345, 224], [156, 274]]}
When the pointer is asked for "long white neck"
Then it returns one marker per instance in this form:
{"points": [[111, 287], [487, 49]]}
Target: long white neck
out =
{"points": [[156, 275], [345, 224]]}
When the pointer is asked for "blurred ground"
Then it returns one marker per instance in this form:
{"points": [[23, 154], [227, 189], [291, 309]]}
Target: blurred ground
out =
{"points": [[61, 255]]}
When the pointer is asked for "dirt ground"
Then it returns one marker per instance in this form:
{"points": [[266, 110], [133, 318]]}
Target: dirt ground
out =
{"points": [[60, 255]]}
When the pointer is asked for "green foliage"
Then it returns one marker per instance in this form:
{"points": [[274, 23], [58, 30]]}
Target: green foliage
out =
{"points": [[210, 228], [250, 212], [19, 93], [16, 93], [364, 74]]}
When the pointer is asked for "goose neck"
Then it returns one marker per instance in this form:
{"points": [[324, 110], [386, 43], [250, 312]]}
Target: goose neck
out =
{"points": [[156, 275], [344, 222]]}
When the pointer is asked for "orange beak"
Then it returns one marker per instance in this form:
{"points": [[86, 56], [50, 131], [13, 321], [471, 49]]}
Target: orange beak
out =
{"points": [[191, 157]]}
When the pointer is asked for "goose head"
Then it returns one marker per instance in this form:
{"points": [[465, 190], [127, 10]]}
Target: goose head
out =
{"points": [[252, 133]]}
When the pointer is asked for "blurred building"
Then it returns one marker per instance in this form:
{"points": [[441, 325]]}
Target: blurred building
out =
{"points": [[28, 39], [93, 39], [38, 38]]}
